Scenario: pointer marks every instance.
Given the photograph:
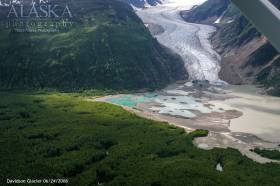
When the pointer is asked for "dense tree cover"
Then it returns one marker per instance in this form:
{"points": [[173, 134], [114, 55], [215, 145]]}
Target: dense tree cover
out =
{"points": [[55, 135], [271, 154], [106, 46]]}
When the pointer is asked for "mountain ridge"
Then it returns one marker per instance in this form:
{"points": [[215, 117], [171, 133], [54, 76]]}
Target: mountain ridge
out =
{"points": [[142, 3], [247, 55], [108, 48]]}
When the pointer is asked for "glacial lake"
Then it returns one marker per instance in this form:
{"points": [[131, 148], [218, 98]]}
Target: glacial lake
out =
{"points": [[261, 113]]}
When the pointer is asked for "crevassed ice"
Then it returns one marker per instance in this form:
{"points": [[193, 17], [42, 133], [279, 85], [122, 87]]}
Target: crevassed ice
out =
{"points": [[190, 41]]}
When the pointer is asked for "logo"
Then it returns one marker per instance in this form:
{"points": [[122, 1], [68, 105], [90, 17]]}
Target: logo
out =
{"points": [[36, 15]]}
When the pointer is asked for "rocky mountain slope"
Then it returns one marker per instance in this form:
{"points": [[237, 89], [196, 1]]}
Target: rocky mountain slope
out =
{"points": [[208, 12], [108, 47], [143, 3], [247, 55]]}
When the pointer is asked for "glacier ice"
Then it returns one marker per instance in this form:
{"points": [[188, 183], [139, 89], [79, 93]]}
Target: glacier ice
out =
{"points": [[189, 40]]}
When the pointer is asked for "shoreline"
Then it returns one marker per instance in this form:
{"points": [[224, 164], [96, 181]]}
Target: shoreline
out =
{"points": [[218, 137]]}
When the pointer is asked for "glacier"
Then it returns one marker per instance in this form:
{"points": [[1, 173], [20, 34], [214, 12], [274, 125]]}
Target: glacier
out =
{"points": [[189, 40]]}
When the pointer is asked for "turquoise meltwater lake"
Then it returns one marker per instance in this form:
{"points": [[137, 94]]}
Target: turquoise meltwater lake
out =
{"points": [[176, 105], [131, 100]]}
